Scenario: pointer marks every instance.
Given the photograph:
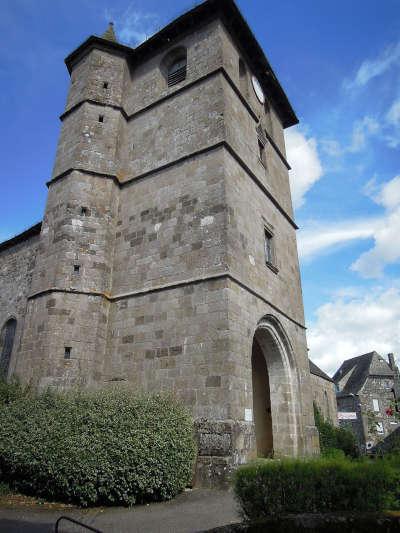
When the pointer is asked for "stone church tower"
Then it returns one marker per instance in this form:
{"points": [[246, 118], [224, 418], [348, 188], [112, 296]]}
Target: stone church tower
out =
{"points": [[167, 255]]}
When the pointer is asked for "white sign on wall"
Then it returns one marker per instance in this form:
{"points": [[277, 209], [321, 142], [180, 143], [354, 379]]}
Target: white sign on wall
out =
{"points": [[248, 415], [347, 416]]}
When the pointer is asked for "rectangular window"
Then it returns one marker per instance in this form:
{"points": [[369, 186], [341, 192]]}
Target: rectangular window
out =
{"points": [[261, 153], [77, 269], [101, 118], [262, 143], [67, 352], [375, 404], [269, 247]]}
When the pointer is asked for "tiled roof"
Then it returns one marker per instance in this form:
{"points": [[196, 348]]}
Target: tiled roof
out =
{"points": [[358, 369], [314, 369]]}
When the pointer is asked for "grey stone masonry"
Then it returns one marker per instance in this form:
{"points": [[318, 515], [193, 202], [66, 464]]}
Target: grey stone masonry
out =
{"points": [[368, 386], [150, 270]]}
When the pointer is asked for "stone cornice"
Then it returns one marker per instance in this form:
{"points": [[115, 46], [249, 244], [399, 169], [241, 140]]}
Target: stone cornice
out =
{"points": [[168, 286], [187, 86], [206, 149]]}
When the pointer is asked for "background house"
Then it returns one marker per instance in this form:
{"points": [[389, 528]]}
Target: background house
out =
{"points": [[366, 387]]}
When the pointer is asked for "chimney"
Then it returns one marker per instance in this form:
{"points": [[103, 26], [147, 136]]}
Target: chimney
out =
{"points": [[392, 362]]}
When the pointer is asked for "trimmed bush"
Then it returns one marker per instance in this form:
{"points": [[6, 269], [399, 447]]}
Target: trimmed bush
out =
{"points": [[333, 438], [12, 390], [272, 487], [105, 447]]}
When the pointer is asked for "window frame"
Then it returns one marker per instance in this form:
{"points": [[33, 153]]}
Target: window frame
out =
{"points": [[270, 247], [171, 59], [262, 145]]}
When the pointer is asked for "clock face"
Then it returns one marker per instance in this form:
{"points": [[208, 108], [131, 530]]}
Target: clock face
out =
{"points": [[258, 89]]}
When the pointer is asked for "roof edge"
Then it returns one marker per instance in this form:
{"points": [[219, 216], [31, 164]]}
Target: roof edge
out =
{"points": [[316, 371], [229, 13], [95, 42], [21, 237]]}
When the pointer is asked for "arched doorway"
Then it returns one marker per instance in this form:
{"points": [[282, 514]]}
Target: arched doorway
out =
{"points": [[275, 391], [6, 345], [261, 403]]}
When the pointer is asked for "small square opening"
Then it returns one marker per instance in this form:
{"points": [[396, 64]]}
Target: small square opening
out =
{"points": [[77, 269], [67, 352], [101, 118], [105, 85]]}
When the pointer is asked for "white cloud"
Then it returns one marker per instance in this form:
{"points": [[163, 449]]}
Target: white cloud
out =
{"points": [[386, 248], [389, 194], [392, 119], [306, 167], [362, 129], [353, 324], [371, 68], [393, 115], [331, 147], [132, 25], [319, 238]]}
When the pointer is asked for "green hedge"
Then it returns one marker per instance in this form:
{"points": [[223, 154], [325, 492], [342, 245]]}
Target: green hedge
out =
{"points": [[105, 447], [335, 438], [273, 487]]}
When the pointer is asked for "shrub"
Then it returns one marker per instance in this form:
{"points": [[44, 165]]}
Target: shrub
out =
{"points": [[4, 489], [273, 487], [12, 390], [104, 447], [334, 438]]}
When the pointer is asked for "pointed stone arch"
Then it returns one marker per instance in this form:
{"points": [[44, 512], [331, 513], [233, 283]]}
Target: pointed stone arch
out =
{"points": [[7, 337], [275, 390]]}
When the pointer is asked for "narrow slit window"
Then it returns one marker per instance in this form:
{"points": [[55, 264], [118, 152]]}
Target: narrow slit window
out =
{"points": [[269, 247], [262, 143], [67, 352], [84, 211], [261, 152], [77, 269], [101, 118]]}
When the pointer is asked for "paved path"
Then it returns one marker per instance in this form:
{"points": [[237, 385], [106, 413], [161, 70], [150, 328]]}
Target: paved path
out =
{"points": [[192, 511]]}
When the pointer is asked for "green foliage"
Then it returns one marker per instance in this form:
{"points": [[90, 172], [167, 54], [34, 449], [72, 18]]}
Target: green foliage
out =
{"points": [[12, 390], [4, 489], [273, 487], [334, 438], [105, 447]]}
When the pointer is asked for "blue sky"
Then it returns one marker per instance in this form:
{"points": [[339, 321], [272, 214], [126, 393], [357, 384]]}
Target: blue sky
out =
{"points": [[339, 63]]}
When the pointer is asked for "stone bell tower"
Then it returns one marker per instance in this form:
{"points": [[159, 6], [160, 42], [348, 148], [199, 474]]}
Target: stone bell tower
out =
{"points": [[167, 257], [64, 341]]}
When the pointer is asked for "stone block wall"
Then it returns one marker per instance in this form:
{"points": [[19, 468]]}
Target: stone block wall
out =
{"points": [[324, 395], [162, 205], [17, 264]]}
